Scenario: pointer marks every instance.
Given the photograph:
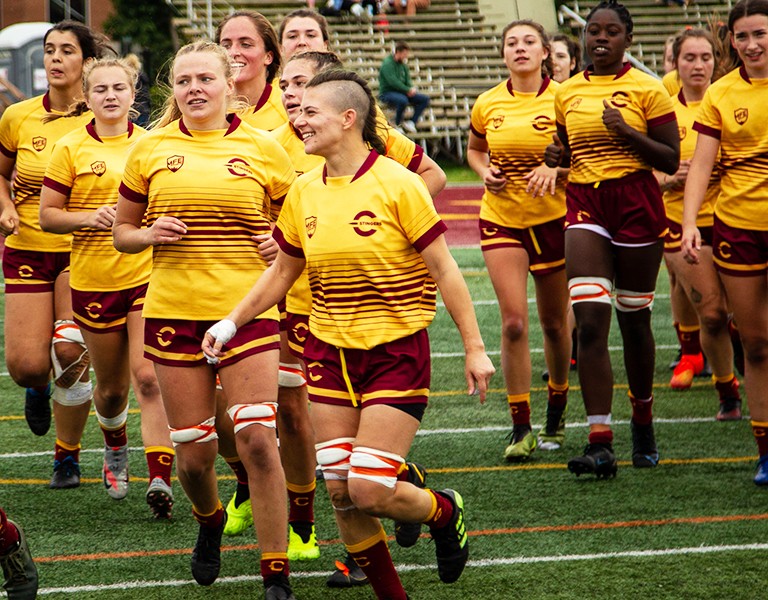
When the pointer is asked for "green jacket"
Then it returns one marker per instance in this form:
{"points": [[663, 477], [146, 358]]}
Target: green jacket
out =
{"points": [[394, 76]]}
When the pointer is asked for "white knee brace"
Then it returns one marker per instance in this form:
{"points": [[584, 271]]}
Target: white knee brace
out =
{"points": [[68, 390], [334, 455], [244, 415], [112, 423], [291, 376], [590, 289], [375, 465], [629, 301], [203, 432]]}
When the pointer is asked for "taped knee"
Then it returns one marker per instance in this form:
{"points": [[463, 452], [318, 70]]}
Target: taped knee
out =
{"points": [[375, 465], [333, 456], [291, 376], [590, 289], [629, 301], [245, 415], [112, 423], [69, 332], [203, 432], [78, 393]]}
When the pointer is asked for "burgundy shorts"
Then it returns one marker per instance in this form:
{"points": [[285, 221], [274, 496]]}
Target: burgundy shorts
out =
{"points": [[103, 312], [675, 233], [30, 272], [629, 211], [297, 330], [395, 374], [739, 252], [544, 243], [176, 342]]}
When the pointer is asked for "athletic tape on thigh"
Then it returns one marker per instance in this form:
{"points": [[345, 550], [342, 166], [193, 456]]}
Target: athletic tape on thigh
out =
{"points": [[291, 375], [590, 289], [245, 415], [67, 331], [629, 301], [333, 455], [375, 465], [112, 423], [204, 432]]}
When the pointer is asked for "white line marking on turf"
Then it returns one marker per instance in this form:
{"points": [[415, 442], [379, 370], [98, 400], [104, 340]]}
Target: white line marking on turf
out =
{"points": [[541, 351], [421, 432], [484, 563]]}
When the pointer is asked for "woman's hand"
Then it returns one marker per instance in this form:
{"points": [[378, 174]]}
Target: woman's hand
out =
{"points": [[478, 370], [690, 244], [494, 179], [9, 221], [215, 338], [166, 230], [102, 218], [613, 119], [553, 154], [541, 180], [267, 247]]}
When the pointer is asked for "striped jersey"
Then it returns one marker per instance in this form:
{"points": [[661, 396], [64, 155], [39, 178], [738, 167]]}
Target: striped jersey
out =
{"points": [[268, 112]]}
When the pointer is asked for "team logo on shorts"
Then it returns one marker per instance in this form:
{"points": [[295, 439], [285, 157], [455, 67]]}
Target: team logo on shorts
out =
{"points": [[300, 332], [741, 115], [683, 132], [164, 336], [238, 167], [365, 223], [314, 365], [581, 215], [723, 249], [311, 224], [497, 121], [99, 168], [620, 99], [573, 105], [26, 271], [174, 163], [39, 142], [93, 309], [542, 123]]}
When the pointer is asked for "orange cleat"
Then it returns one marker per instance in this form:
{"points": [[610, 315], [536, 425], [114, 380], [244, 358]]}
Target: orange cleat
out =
{"points": [[689, 366]]}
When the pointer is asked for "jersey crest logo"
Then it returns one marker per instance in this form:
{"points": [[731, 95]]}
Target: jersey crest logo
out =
{"points": [[683, 132], [39, 142], [573, 105], [174, 163], [99, 167], [542, 123], [164, 336], [365, 223], [311, 224], [490, 231], [620, 99], [741, 115], [93, 309], [497, 121], [239, 168]]}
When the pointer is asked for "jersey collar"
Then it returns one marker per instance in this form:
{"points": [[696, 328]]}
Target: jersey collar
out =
{"points": [[544, 84], [590, 68], [364, 168], [264, 97], [91, 129], [232, 119]]}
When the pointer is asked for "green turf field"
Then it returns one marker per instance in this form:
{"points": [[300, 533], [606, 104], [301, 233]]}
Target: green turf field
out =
{"points": [[695, 527]]}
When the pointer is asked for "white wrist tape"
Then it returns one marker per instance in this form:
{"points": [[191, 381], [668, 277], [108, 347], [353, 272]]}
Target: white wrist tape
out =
{"points": [[223, 331]]}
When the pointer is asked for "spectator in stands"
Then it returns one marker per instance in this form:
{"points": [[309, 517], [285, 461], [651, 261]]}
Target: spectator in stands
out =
{"points": [[521, 227], [732, 135], [397, 90], [619, 124], [408, 7], [566, 57]]}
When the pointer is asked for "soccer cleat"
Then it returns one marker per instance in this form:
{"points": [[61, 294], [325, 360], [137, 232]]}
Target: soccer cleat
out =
{"points": [[706, 370], [239, 518], [19, 570], [66, 474], [689, 366], [676, 361], [160, 498], [37, 410], [730, 410], [347, 574], [451, 543], [407, 534], [552, 436], [522, 446], [761, 475], [644, 452], [300, 548], [206, 557], [278, 588], [115, 471], [598, 459]]}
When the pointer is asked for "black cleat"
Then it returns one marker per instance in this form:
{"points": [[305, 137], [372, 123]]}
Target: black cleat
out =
{"points": [[598, 459], [37, 410], [644, 452], [347, 574], [278, 588], [407, 534], [676, 360], [206, 557], [66, 474], [19, 570], [451, 543]]}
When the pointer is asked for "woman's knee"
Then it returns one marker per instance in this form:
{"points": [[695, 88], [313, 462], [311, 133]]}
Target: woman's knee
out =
{"points": [[513, 327], [146, 384], [713, 320], [755, 348], [370, 498]]}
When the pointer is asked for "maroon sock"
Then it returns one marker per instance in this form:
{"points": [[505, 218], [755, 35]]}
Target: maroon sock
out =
{"points": [[376, 563], [642, 411], [601, 437], [9, 535]]}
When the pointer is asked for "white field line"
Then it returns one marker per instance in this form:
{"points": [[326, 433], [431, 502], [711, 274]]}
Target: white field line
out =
{"points": [[420, 433], [481, 564]]}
